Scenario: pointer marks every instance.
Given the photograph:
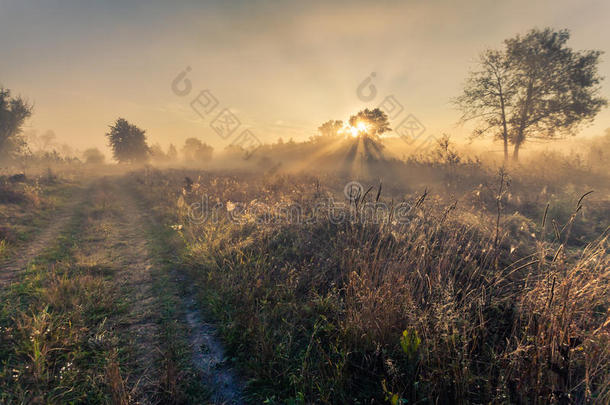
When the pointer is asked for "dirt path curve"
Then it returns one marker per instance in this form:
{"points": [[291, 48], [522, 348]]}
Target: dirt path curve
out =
{"points": [[12, 267], [115, 235]]}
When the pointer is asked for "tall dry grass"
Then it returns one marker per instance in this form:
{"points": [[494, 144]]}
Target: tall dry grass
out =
{"points": [[466, 301]]}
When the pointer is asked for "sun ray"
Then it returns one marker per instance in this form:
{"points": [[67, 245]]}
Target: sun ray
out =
{"points": [[327, 149]]}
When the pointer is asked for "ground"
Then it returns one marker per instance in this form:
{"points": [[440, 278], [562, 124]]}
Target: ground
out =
{"points": [[195, 287], [96, 265]]}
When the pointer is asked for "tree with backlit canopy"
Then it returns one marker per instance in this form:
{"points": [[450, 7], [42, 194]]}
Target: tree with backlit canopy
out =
{"points": [[370, 122]]}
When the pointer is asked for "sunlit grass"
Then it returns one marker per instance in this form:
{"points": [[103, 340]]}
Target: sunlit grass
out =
{"points": [[319, 312]]}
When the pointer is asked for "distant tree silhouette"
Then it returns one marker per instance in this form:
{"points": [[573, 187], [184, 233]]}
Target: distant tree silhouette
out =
{"points": [[330, 128], [128, 142], [376, 120], [172, 153], [93, 156], [536, 87], [13, 113], [196, 151], [157, 155], [48, 140], [599, 151]]}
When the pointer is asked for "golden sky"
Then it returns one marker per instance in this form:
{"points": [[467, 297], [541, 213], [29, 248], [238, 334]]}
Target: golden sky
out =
{"points": [[282, 67]]}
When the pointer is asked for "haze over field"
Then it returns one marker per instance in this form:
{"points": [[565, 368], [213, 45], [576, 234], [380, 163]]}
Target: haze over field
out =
{"points": [[282, 67]]}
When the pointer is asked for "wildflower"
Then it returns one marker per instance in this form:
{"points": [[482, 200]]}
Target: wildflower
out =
{"points": [[64, 369], [176, 227]]}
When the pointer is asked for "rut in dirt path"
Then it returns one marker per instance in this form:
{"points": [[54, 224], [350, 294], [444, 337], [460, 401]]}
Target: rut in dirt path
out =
{"points": [[209, 358], [12, 267], [129, 248], [208, 355], [111, 238]]}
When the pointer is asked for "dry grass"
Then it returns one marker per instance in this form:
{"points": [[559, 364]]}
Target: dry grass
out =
{"points": [[494, 288], [505, 309]]}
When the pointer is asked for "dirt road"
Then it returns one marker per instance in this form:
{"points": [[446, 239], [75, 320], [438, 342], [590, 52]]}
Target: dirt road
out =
{"points": [[114, 233]]}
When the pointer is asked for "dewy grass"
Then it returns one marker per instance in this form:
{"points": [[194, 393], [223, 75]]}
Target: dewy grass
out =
{"points": [[484, 294], [3, 249], [22, 221], [56, 343], [179, 381], [488, 308], [45, 350]]}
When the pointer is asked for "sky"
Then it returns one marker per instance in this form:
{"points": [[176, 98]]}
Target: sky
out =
{"points": [[281, 67]]}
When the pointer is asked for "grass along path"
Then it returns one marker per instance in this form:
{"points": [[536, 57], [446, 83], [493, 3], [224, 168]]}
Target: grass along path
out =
{"points": [[11, 267], [191, 344], [57, 344], [96, 318]]}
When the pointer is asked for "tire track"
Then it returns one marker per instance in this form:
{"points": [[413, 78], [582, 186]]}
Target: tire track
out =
{"points": [[207, 352], [12, 267], [131, 253]]}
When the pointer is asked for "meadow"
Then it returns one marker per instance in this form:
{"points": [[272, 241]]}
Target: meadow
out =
{"points": [[290, 203], [437, 279], [451, 281], [491, 287]]}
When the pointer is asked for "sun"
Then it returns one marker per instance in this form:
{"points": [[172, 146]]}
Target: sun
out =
{"points": [[361, 127]]}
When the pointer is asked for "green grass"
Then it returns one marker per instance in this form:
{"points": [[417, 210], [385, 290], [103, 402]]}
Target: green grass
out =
{"points": [[24, 219]]}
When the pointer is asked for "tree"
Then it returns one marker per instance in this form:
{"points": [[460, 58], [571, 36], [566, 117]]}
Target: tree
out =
{"points": [[172, 153], [487, 96], [157, 155], [47, 139], [536, 87], [13, 113], [374, 121], [93, 156], [196, 151], [128, 142], [330, 128], [599, 151]]}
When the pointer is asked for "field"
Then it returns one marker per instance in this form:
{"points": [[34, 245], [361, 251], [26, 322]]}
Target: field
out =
{"points": [[291, 203], [454, 281]]}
